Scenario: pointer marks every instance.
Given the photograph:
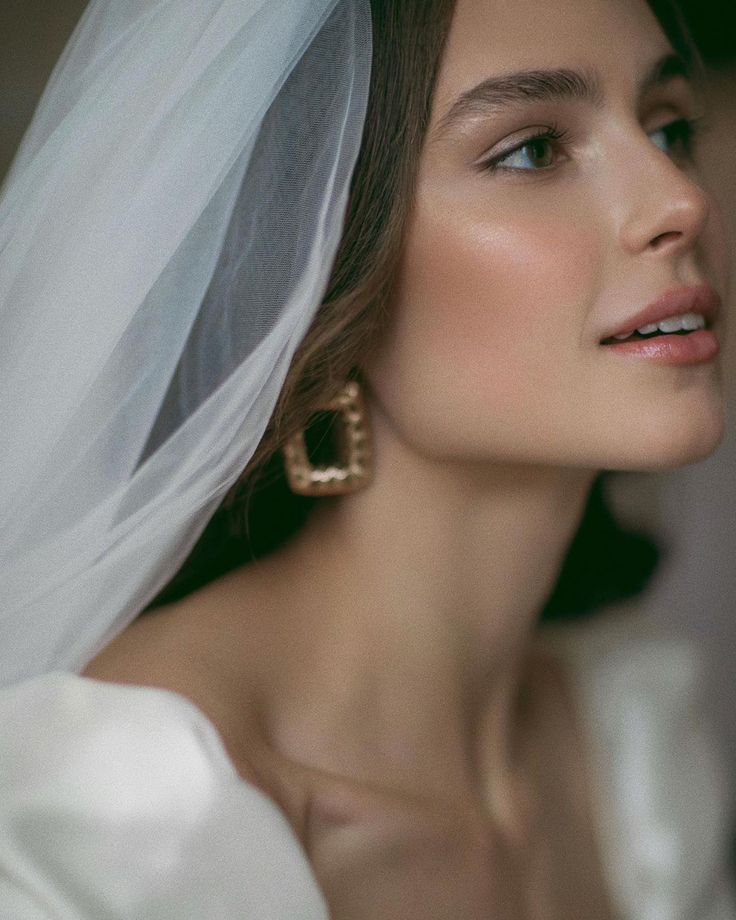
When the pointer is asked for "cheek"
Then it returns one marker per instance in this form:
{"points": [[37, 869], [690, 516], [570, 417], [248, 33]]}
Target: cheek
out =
{"points": [[488, 313]]}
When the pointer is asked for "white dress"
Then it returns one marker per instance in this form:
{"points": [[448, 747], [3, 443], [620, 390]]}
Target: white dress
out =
{"points": [[120, 802]]}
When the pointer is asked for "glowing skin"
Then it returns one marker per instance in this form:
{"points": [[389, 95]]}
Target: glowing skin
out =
{"points": [[507, 278], [372, 669]]}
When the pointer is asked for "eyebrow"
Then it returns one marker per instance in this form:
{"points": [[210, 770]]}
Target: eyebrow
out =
{"points": [[526, 86]]}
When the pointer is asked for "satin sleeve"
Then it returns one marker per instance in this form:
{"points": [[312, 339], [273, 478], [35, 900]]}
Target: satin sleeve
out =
{"points": [[121, 802], [663, 805]]}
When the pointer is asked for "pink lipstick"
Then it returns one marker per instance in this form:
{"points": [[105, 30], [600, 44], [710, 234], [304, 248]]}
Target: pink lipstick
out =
{"points": [[674, 329]]}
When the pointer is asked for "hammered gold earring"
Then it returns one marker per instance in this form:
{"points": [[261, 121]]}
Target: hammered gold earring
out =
{"points": [[353, 467]]}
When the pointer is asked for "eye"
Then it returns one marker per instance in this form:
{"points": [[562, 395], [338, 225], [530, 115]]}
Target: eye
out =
{"points": [[534, 154], [679, 137]]}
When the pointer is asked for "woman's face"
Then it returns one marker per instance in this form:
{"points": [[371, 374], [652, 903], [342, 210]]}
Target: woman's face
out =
{"points": [[511, 276]]}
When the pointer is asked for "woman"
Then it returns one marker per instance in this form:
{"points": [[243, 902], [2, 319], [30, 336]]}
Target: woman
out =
{"points": [[359, 721]]}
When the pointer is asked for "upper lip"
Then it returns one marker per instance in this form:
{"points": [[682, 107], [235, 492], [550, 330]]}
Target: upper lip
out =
{"points": [[701, 298]]}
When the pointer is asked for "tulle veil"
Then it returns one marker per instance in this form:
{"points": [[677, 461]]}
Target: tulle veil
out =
{"points": [[167, 232]]}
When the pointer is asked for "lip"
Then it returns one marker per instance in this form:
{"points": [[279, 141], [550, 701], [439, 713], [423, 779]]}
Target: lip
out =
{"points": [[697, 347], [701, 298]]}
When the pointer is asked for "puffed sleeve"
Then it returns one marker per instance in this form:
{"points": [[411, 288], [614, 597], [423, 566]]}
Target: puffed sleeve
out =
{"points": [[663, 804], [120, 802]]}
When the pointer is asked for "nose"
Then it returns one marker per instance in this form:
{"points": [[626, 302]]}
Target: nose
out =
{"points": [[666, 209]]}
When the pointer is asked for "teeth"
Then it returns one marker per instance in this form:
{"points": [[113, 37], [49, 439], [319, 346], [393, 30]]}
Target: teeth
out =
{"points": [[687, 321], [693, 321]]}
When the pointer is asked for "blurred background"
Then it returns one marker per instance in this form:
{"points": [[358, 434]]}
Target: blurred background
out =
{"points": [[693, 509]]}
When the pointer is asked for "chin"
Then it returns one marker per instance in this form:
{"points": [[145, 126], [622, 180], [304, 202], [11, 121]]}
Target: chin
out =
{"points": [[672, 446]]}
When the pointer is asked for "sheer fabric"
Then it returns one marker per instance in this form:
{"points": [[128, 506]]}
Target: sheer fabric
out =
{"points": [[167, 231]]}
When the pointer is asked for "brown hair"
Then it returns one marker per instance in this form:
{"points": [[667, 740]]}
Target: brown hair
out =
{"points": [[408, 37], [260, 512]]}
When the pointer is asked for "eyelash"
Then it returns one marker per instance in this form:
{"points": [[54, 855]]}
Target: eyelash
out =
{"points": [[685, 131]]}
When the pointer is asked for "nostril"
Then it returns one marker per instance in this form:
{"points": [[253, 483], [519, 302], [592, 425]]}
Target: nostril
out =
{"points": [[663, 238]]}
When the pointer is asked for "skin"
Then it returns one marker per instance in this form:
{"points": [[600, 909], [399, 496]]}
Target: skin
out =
{"points": [[378, 675]]}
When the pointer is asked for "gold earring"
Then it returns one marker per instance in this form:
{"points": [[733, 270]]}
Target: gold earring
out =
{"points": [[353, 469]]}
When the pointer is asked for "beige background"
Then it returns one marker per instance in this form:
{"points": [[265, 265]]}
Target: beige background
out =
{"points": [[694, 508]]}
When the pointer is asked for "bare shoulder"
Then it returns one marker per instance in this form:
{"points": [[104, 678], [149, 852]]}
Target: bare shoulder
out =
{"points": [[191, 648], [153, 649], [187, 645]]}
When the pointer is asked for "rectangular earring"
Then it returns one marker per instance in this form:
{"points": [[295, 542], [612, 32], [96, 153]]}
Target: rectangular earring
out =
{"points": [[352, 469]]}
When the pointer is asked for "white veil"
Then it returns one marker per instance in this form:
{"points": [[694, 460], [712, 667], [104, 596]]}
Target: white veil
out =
{"points": [[167, 232]]}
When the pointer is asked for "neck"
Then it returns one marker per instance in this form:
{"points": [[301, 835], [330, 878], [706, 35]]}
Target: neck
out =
{"points": [[412, 608]]}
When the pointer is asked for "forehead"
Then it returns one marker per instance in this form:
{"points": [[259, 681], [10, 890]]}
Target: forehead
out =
{"points": [[618, 38]]}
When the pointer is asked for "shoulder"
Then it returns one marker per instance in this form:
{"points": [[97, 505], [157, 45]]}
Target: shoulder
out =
{"points": [[187, 649], [154, 650], [203, 646], [118, 735], [198, 651], [121, 801]]}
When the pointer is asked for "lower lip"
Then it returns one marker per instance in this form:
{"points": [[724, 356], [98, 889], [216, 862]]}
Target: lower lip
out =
{"points": [[694, 348]]}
